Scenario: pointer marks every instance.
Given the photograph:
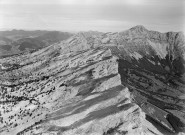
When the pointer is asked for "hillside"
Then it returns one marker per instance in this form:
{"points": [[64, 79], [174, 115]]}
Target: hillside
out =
{"points": [[20, 41], [131, 82]]}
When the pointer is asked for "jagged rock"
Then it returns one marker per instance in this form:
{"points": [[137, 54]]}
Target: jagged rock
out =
{"points": [[81, 99], [89, 85]]}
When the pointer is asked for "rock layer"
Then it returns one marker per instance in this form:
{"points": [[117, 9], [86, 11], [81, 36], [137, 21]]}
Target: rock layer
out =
{"points": [[80, 94], [80, 86]]}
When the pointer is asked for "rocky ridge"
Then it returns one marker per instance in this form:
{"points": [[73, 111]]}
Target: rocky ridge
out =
{"points": [[80, 86], [85, 96]]}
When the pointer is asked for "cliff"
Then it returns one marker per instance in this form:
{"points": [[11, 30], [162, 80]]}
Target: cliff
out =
{"points": [[96, 83]]}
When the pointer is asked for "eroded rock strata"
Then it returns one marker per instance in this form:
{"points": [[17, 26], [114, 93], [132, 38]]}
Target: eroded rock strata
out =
{"points": [[81, 94], [98, 84]]}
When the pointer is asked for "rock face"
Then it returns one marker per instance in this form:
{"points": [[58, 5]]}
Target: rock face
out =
{"points": [[152, 65], [74, 93], [96, 84]]}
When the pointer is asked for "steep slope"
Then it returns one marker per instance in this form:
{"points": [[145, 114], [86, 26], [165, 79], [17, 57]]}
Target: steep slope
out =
{"points": [[96, 83], [72, 93], [151, 64]]}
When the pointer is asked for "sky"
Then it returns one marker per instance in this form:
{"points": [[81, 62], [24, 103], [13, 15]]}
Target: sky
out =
{"points": [[96, 15]]}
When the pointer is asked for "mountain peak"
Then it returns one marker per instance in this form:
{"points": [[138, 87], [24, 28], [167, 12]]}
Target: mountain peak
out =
{"points": [[139, 28]]}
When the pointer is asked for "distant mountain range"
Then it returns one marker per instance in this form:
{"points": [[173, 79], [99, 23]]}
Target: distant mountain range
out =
{"points": [[19, 41]]}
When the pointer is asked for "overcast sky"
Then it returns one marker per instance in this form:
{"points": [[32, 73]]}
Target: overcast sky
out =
{"points": [[101, 15]]}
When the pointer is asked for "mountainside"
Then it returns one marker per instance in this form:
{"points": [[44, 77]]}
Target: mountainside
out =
{"points": [[20, 41], [131, 82]]}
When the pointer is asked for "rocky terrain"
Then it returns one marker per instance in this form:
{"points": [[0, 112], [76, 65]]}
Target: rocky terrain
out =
{"points": [[20, 41], [126, 83]]}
